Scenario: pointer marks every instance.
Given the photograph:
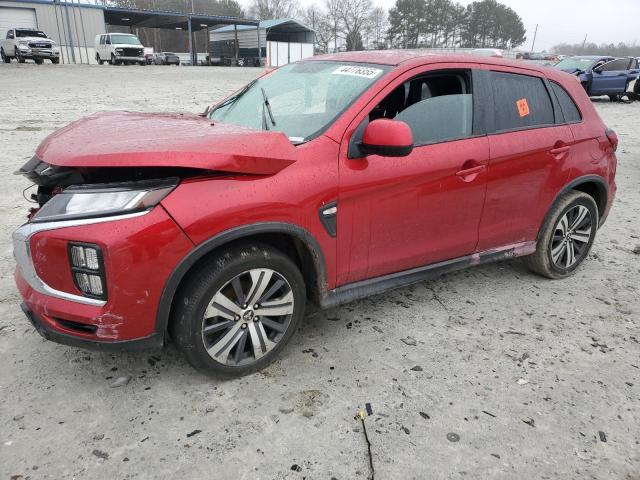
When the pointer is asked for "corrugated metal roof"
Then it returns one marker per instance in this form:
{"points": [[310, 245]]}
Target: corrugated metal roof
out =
{"points": [[266, 24]]}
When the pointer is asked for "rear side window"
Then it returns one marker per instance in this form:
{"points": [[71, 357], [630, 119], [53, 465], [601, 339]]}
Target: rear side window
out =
{"points": [[521, 101], [567, 105]]}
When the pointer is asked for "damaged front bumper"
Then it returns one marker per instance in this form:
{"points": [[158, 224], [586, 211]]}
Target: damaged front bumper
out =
{"points": [[153, 341], [139, 251]]}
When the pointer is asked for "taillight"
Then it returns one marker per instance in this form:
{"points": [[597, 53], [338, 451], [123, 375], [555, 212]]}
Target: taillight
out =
{"points": [[613, 138], [87, 268]]}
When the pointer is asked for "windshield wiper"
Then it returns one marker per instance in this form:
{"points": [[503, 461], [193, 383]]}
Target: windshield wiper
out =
{"points": [[235, 97], [266, 104]]}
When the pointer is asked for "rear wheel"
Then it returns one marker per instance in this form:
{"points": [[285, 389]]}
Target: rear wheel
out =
{"points": [[5, 59], [99, 61], [566, 237], [55, 61], [236, 312]]}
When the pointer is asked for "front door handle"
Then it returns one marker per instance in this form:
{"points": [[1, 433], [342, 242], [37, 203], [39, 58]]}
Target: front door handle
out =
{"points": [[469, 174], [559, 152]]}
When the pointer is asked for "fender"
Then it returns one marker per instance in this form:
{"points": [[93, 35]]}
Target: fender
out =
{"points": [[597, 179], [180, 270]]}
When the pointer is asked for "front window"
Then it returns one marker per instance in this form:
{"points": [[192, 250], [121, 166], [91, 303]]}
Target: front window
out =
{"points": [[300, 99], [575, 63], [125, 40], [30, 33]]}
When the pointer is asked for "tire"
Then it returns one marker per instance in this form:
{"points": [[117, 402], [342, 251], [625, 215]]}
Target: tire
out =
{"points": [[19, 57], [614, 98], [98, 59], [142, 64], [636, 86], [113, 60], [552, 258], [5, 59], [55, 61], [38, 61], [235, 333]]}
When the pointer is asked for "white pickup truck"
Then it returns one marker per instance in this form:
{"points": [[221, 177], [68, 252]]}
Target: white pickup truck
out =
{"points": [[27, 43]]}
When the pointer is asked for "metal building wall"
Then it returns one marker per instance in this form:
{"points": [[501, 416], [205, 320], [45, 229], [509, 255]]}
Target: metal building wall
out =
{"points": [[64, 25]]}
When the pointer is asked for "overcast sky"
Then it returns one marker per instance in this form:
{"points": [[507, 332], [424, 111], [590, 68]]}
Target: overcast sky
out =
{"points": [[609, 21]]}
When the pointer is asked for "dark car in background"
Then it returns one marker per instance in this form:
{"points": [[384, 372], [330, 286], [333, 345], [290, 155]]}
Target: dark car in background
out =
{"points": [[602, 75]]}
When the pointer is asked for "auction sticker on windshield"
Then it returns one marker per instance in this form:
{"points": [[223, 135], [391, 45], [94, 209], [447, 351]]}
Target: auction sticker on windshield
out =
{"points": [[357, 71]]}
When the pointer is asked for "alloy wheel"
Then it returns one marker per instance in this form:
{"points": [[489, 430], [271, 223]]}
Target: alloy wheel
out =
{"points": [[247, 317], [571, 237]]}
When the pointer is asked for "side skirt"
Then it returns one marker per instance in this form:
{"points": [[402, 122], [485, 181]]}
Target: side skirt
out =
{"points": [[365, 288]]}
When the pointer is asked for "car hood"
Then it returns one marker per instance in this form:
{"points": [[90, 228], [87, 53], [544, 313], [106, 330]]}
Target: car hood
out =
{"points": [[125, 139], [36, 39]]}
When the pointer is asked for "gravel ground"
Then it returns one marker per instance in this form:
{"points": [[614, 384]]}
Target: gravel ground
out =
{"points": [[526, 371]]}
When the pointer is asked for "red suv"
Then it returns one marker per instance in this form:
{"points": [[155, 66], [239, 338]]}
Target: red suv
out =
{"points": [[326, 180]]}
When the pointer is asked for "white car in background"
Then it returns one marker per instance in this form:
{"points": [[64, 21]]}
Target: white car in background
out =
{"points": [[487, 52], [119, 49]]}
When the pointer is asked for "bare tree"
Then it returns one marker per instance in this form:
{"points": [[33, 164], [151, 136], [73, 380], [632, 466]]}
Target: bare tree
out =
{"points": [[270, 9], [316, 18], [377, 28], [334, 18], [355, 16]]}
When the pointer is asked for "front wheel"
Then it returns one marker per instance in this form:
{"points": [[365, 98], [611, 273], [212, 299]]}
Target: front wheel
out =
{"points": [[38, 61], [237, 310], [566, 237], [19, 57], [5, 59], [55, 61]]}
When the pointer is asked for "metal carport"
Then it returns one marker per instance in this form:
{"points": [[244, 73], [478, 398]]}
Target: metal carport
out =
{"points": [[190, 22]]}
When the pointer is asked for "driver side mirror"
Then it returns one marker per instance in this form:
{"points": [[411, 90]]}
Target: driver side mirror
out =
{"points": [[388, 138]]}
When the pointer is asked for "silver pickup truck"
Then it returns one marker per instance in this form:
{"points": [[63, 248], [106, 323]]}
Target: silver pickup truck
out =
{"points": [[27, 43]]}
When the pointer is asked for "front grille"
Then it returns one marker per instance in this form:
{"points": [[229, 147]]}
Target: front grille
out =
{"points": [[39, 45], [131, 52]]}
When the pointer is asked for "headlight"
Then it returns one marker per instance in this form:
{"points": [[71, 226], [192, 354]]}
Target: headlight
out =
{"points": [[105, 200], [23, 43]]}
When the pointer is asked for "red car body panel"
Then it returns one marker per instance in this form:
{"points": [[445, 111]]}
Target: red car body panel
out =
{"points": [[443, 201], [286, 197]]}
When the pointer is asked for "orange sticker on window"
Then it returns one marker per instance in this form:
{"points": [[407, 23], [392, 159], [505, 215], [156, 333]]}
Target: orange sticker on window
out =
{"points": [[523, 107]]}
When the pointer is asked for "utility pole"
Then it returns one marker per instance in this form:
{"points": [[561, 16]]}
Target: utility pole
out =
{"points": [[535, 34], [584, 42], [313, 27]]}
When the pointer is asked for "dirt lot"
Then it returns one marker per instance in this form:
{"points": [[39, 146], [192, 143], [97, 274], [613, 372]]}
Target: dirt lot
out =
{"points": [[525, 370]]}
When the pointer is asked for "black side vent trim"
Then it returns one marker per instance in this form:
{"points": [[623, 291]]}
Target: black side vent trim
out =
{"points": [[329, 217]]}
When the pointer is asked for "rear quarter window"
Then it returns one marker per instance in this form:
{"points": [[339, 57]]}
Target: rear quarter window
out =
{"points": [[567, 105], [521, 101]]}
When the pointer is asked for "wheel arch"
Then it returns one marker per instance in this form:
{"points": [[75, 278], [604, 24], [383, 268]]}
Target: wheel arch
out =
{"points": [[593, 185], [292, 239]]}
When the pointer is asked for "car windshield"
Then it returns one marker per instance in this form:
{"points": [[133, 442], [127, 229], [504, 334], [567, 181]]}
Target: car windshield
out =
{"points": [[575, 63], [125, 39], [300, 99], [30, 33]]}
